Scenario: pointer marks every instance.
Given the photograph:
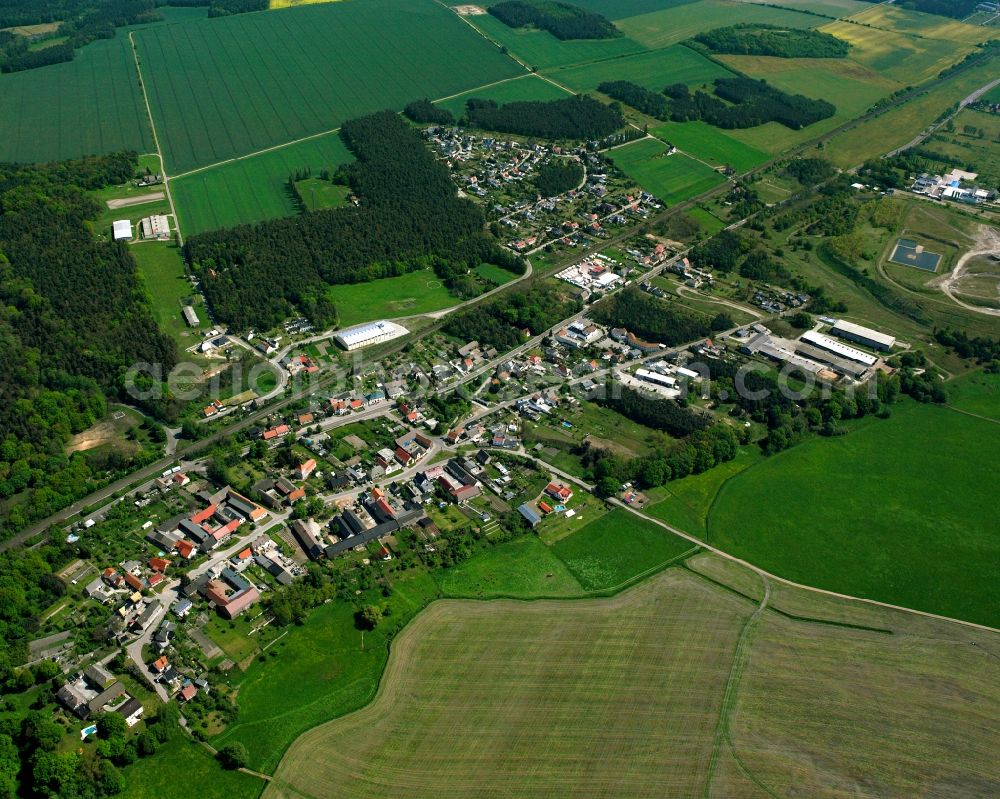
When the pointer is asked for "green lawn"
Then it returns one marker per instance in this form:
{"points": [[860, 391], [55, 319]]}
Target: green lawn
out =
{"points": [[712, 224], [977, 392], [530, 87], [494, 273], [710, 144], [541, 49], [233, 85], [316, 672], [253, 189], [672, 178], [523, 568], [162, 269], [654, 70], [181, 769], [616, 548], [891, 511], [406, 295], [318, 194]]}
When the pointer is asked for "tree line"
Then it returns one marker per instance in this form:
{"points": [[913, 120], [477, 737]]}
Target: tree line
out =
{"points": [[257, 275], [424, 112], [73, 316], [639, 97], [579, 117], [748, 103], [771, 40], [562, 20]]}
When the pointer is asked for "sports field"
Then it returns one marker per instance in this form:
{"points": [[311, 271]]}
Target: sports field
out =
{"points": [[251, 189], [671, 178], [230, 86], [654, 70], [407, 295], [530, 87], [677, 23], [676, 687], [89, 105], [710, 144], [889, 511]]}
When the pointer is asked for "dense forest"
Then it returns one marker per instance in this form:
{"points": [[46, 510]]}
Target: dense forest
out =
{"points": [[257, 275], [639, 97], [82, 23], [562, 20], [770, 40], [502, 322], [73, 317], [651, 318], [749, 103], [578, 117], [654, 411], [425, 112], [557, 176]]}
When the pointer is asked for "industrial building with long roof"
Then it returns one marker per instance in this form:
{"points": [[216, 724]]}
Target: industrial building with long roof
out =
{"points": [[353, 338]]}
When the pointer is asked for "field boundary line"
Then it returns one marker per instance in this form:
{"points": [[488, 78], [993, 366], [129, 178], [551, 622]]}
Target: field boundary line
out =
{"points": [[156, 138]]}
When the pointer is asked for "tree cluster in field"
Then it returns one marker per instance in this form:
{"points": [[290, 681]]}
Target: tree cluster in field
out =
{"points": [[409, 216], [639, 97], [731, 251], [657, 412], [810, 171], [771, 40], [748, 103], [578, 117], [562, 20], [73, 317], [83, 21], [225, 8], [981, 348], [499, 323], [651, 318], [558, 176], [424, 112]]}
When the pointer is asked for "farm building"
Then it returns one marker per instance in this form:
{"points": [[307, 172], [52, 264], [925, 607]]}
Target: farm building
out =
{"points": [[830, 345], [190, 316], [156, 226], [354, 338], [863, 335], [122, 230]]}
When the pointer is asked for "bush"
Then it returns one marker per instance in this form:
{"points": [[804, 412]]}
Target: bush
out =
{"points": [[233, 756]]}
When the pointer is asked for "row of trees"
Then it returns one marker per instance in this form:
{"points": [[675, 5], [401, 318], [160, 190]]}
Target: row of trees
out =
{"points": [[73, 317], [639, 97], [579, 117], [748, 103], [562, 20], [771, 40], [256, 275]]}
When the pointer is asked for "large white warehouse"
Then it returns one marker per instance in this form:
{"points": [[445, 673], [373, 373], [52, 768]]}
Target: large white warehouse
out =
{"points": [[831, 345], [863, 335], [354, 338]]}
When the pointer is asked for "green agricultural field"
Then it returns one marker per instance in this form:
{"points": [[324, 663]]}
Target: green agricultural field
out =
{"points": [[230, 86], [541, 49], [898, 126], [526, 698], [92, 104], [977, 392], [672, 178], [916, 23], [710, 144], [677, 23], [619, 9], [829, 8], [852, 88], [907, 59], [161, 266], [530, 87], [252, 189], [407, 295], [897, 516], [654, 70], [523, 568], [618, 548]]}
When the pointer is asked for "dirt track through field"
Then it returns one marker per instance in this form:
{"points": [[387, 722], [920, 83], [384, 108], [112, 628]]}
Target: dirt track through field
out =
{"points": [[125, 202]]}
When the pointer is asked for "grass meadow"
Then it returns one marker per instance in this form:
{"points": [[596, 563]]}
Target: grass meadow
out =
{"points": [[671, 178], [92, 104], [916, 23], [229, 86], [184, 769], [530, 87], [710, 144], [406, 295], [161, 266], [252, 189], [889, 512], [523, 568], [616, 548]]}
